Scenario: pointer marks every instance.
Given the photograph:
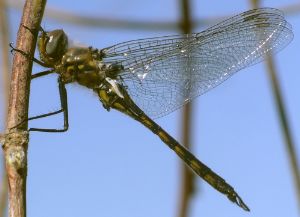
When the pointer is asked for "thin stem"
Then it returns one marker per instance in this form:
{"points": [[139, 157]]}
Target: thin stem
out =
{"points": [[283, 117], [3, 193], [6, 63], [285, 126], [16, 140], [5, 52], [187, 182]]}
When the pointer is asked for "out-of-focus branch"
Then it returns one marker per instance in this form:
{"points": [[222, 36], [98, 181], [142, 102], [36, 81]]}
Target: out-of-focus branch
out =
{"points": [[187, 182], [283, 117], [285, 126], [16, 138], [64, 16]]}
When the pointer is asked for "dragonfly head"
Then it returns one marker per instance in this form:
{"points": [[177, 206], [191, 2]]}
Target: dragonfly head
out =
{"points": [[52, 45]]}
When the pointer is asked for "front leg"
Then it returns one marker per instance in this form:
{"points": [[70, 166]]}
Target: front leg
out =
{"points": [[64, 109], [13, 49]]}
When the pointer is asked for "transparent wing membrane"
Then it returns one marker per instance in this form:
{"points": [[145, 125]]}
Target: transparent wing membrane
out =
{"points": [[163, 73], [155, 76]]}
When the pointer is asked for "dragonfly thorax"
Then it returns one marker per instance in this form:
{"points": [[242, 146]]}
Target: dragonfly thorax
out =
{"points": [[75, 64], [79, 64], [85, 66]]}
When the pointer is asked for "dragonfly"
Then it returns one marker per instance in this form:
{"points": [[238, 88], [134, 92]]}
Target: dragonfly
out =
{"points": [[149, 78]]}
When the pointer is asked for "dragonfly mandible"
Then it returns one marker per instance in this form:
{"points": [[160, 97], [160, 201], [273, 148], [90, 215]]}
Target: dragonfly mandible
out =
{"points": [[149, 78]]}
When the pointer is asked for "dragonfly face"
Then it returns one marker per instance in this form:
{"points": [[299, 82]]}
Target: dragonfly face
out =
{"points": [[52, 46]]}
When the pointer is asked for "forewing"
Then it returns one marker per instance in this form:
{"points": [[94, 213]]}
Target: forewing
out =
{"points": [[162, 74]]}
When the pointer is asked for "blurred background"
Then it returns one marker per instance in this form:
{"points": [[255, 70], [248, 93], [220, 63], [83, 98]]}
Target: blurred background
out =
{"points": [[110, 165]]}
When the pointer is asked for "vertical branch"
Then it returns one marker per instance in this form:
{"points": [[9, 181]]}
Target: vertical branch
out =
{"points": [[5, 89], [4, 52], [282, 115], [16, 139], [3, 194], [4, 38], [187, 182]]}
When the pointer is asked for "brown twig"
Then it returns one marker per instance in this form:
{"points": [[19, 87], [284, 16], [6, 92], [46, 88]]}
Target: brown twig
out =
{"points": [[283, 117], [5, 51], [187, 182], [16, 139], [3, 193], [4, 38]]}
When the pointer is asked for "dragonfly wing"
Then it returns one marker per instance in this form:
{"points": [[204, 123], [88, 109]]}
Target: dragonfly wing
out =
{"points": [[162, 74]]}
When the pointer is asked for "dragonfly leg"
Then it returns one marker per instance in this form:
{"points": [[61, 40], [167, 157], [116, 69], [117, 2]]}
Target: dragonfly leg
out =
{"points": [[64, 106], [32, 30], [64, 109], [13, 49], [43, 73], [62, 93]]}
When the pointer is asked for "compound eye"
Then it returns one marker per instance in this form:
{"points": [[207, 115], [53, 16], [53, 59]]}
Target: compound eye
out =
{"points": [[57, 43]]}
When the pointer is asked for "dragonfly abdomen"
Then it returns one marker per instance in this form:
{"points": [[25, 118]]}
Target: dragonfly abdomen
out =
{"points": [[125, 105]]}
